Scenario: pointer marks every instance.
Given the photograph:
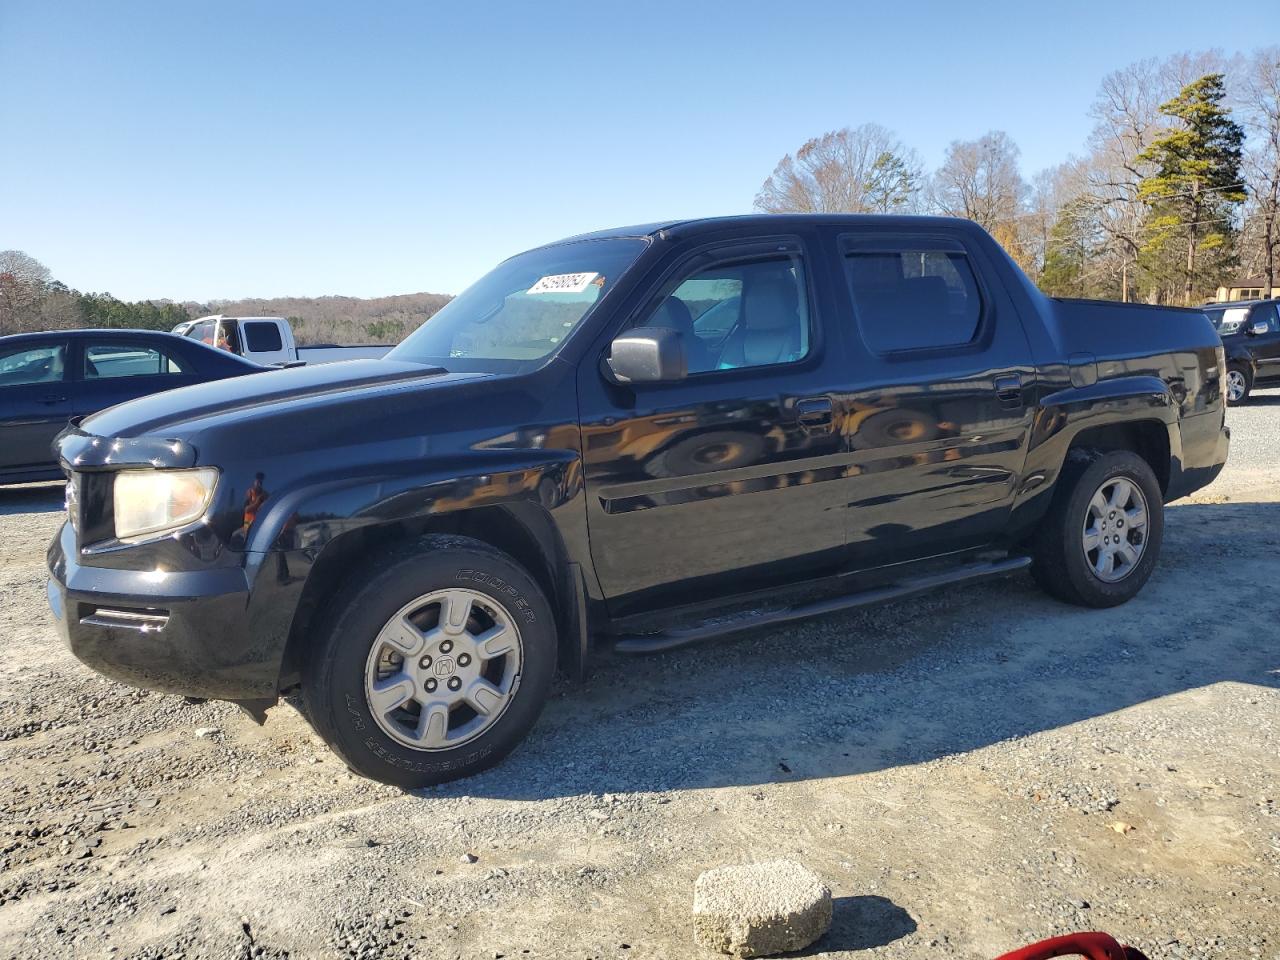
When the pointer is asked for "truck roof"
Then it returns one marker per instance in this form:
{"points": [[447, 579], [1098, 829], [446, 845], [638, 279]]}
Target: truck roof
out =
{"points": [[223, 316], [1228, 304], [781, 221], [98, 333]]}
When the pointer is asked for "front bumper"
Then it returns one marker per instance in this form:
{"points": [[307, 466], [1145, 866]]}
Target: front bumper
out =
{"points": [[185, 632]]}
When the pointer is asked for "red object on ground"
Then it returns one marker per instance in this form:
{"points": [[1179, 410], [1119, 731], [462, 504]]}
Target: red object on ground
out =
{"points": [[1095, 946]]}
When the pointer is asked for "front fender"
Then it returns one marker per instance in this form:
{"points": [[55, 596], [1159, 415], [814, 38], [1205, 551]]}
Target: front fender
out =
{"points": [[316, 525], [313, 513], [1239, 353]]}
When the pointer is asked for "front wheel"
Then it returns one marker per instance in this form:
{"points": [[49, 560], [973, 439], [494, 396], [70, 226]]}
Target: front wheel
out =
{"points": [[433, 666], [1101, 538], [1239, 384]]}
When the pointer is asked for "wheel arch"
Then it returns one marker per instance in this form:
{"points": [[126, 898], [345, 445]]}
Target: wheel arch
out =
{"points": [[522, 530], [1149, 439]]}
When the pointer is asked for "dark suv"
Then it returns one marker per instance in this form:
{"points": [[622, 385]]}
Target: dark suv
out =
{"points": [[1250, 331], [642, 437]]}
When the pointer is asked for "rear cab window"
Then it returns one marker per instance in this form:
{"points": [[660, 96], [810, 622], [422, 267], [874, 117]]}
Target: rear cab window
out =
{"points": [[261, 336]]}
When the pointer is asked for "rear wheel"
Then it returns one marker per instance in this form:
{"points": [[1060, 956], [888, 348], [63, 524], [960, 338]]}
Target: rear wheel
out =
{"points": [[1101, 538], [434, 665], [1239, 384]]}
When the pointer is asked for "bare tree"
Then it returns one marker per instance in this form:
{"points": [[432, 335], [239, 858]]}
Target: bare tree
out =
{"points": [[1126, 115], [1051, 190], [979, 179], [1127, 120], [24, 280], [1258, 103], [852, 170]]}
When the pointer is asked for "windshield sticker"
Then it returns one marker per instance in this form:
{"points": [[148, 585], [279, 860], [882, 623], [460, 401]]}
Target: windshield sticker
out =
{"points": [[563, 283]]}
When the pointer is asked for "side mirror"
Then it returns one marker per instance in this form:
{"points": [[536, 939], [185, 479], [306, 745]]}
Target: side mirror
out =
{"points": [[1258, 328], [649, 355]]}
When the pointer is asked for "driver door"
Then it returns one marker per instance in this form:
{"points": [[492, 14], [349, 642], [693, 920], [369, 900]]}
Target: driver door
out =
{"points": [[721, 482]]}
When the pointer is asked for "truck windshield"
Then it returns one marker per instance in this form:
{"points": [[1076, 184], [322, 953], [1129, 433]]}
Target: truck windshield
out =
{"points": [[518, 313], [1229, 320]]}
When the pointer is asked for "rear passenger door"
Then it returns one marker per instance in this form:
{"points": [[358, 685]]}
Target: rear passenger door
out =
{"points": [[936, 421]]}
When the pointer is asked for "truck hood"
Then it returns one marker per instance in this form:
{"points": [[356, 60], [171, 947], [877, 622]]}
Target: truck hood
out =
{"points": [[270, 395]]}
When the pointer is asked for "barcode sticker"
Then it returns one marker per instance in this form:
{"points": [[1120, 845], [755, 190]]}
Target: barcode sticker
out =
{"points": [[563, 283]]}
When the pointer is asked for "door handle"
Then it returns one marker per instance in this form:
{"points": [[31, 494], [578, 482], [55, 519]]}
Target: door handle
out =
{"points": [[814, 414], [1009, 390], [52, 398]]}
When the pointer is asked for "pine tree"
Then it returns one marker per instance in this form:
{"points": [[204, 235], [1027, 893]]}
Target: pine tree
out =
{"points": [[1195, 185], [892, 184], [1068, 251]]}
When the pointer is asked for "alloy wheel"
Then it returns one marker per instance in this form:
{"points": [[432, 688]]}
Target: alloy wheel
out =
{"points": [[443, 669], [1236, 385], [1114, 536]]}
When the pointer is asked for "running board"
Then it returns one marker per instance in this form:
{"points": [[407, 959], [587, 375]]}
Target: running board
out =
{"points": [[682, 636]]}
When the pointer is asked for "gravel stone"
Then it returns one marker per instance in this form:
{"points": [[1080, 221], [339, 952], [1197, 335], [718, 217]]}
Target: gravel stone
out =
{"points": [[760, 909]]}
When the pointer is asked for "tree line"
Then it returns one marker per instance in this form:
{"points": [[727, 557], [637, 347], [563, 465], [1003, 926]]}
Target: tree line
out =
{"points": [[31, 300], [1176, 191]]}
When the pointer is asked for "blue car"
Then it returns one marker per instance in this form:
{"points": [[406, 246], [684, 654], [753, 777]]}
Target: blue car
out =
{"points": [[46, 379]]}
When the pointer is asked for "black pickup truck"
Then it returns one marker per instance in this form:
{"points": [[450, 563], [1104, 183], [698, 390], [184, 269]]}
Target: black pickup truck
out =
{"points": [[641, 437]]}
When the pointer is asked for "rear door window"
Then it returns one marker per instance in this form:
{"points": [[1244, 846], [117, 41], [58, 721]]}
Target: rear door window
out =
{"points": [[921, 298], [108, 360]]}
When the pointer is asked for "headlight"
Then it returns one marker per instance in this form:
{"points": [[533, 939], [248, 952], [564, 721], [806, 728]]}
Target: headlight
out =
{"points": [[149, 501]]}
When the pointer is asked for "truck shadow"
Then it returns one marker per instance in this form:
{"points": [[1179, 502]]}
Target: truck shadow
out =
{"points": [[31, 498], [912, 681]]}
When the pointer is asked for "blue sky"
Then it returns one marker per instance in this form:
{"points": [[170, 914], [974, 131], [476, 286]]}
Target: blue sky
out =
{"points": [[203, 150]]}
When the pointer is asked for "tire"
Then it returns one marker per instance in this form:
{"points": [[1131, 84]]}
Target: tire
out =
{"points": [[346, 673], [1064, 566], [1239, 381]]}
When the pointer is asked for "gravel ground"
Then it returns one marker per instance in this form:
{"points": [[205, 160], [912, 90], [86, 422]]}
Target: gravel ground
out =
{"points": [[967, 773]]}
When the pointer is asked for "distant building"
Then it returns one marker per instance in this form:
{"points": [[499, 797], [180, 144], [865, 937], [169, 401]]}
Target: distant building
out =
{"points": [[1247, 288]]}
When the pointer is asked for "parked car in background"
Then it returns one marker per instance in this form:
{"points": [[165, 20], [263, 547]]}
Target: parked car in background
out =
{"points": [[46, 379], [645, 437], [1250, 332], [269, 341]]}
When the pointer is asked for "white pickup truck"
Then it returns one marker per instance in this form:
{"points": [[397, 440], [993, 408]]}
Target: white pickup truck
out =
{"points": [[269, 341]]}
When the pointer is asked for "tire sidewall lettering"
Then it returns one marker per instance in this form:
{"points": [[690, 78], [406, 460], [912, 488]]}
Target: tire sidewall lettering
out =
{"points": [[502, 587]]}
